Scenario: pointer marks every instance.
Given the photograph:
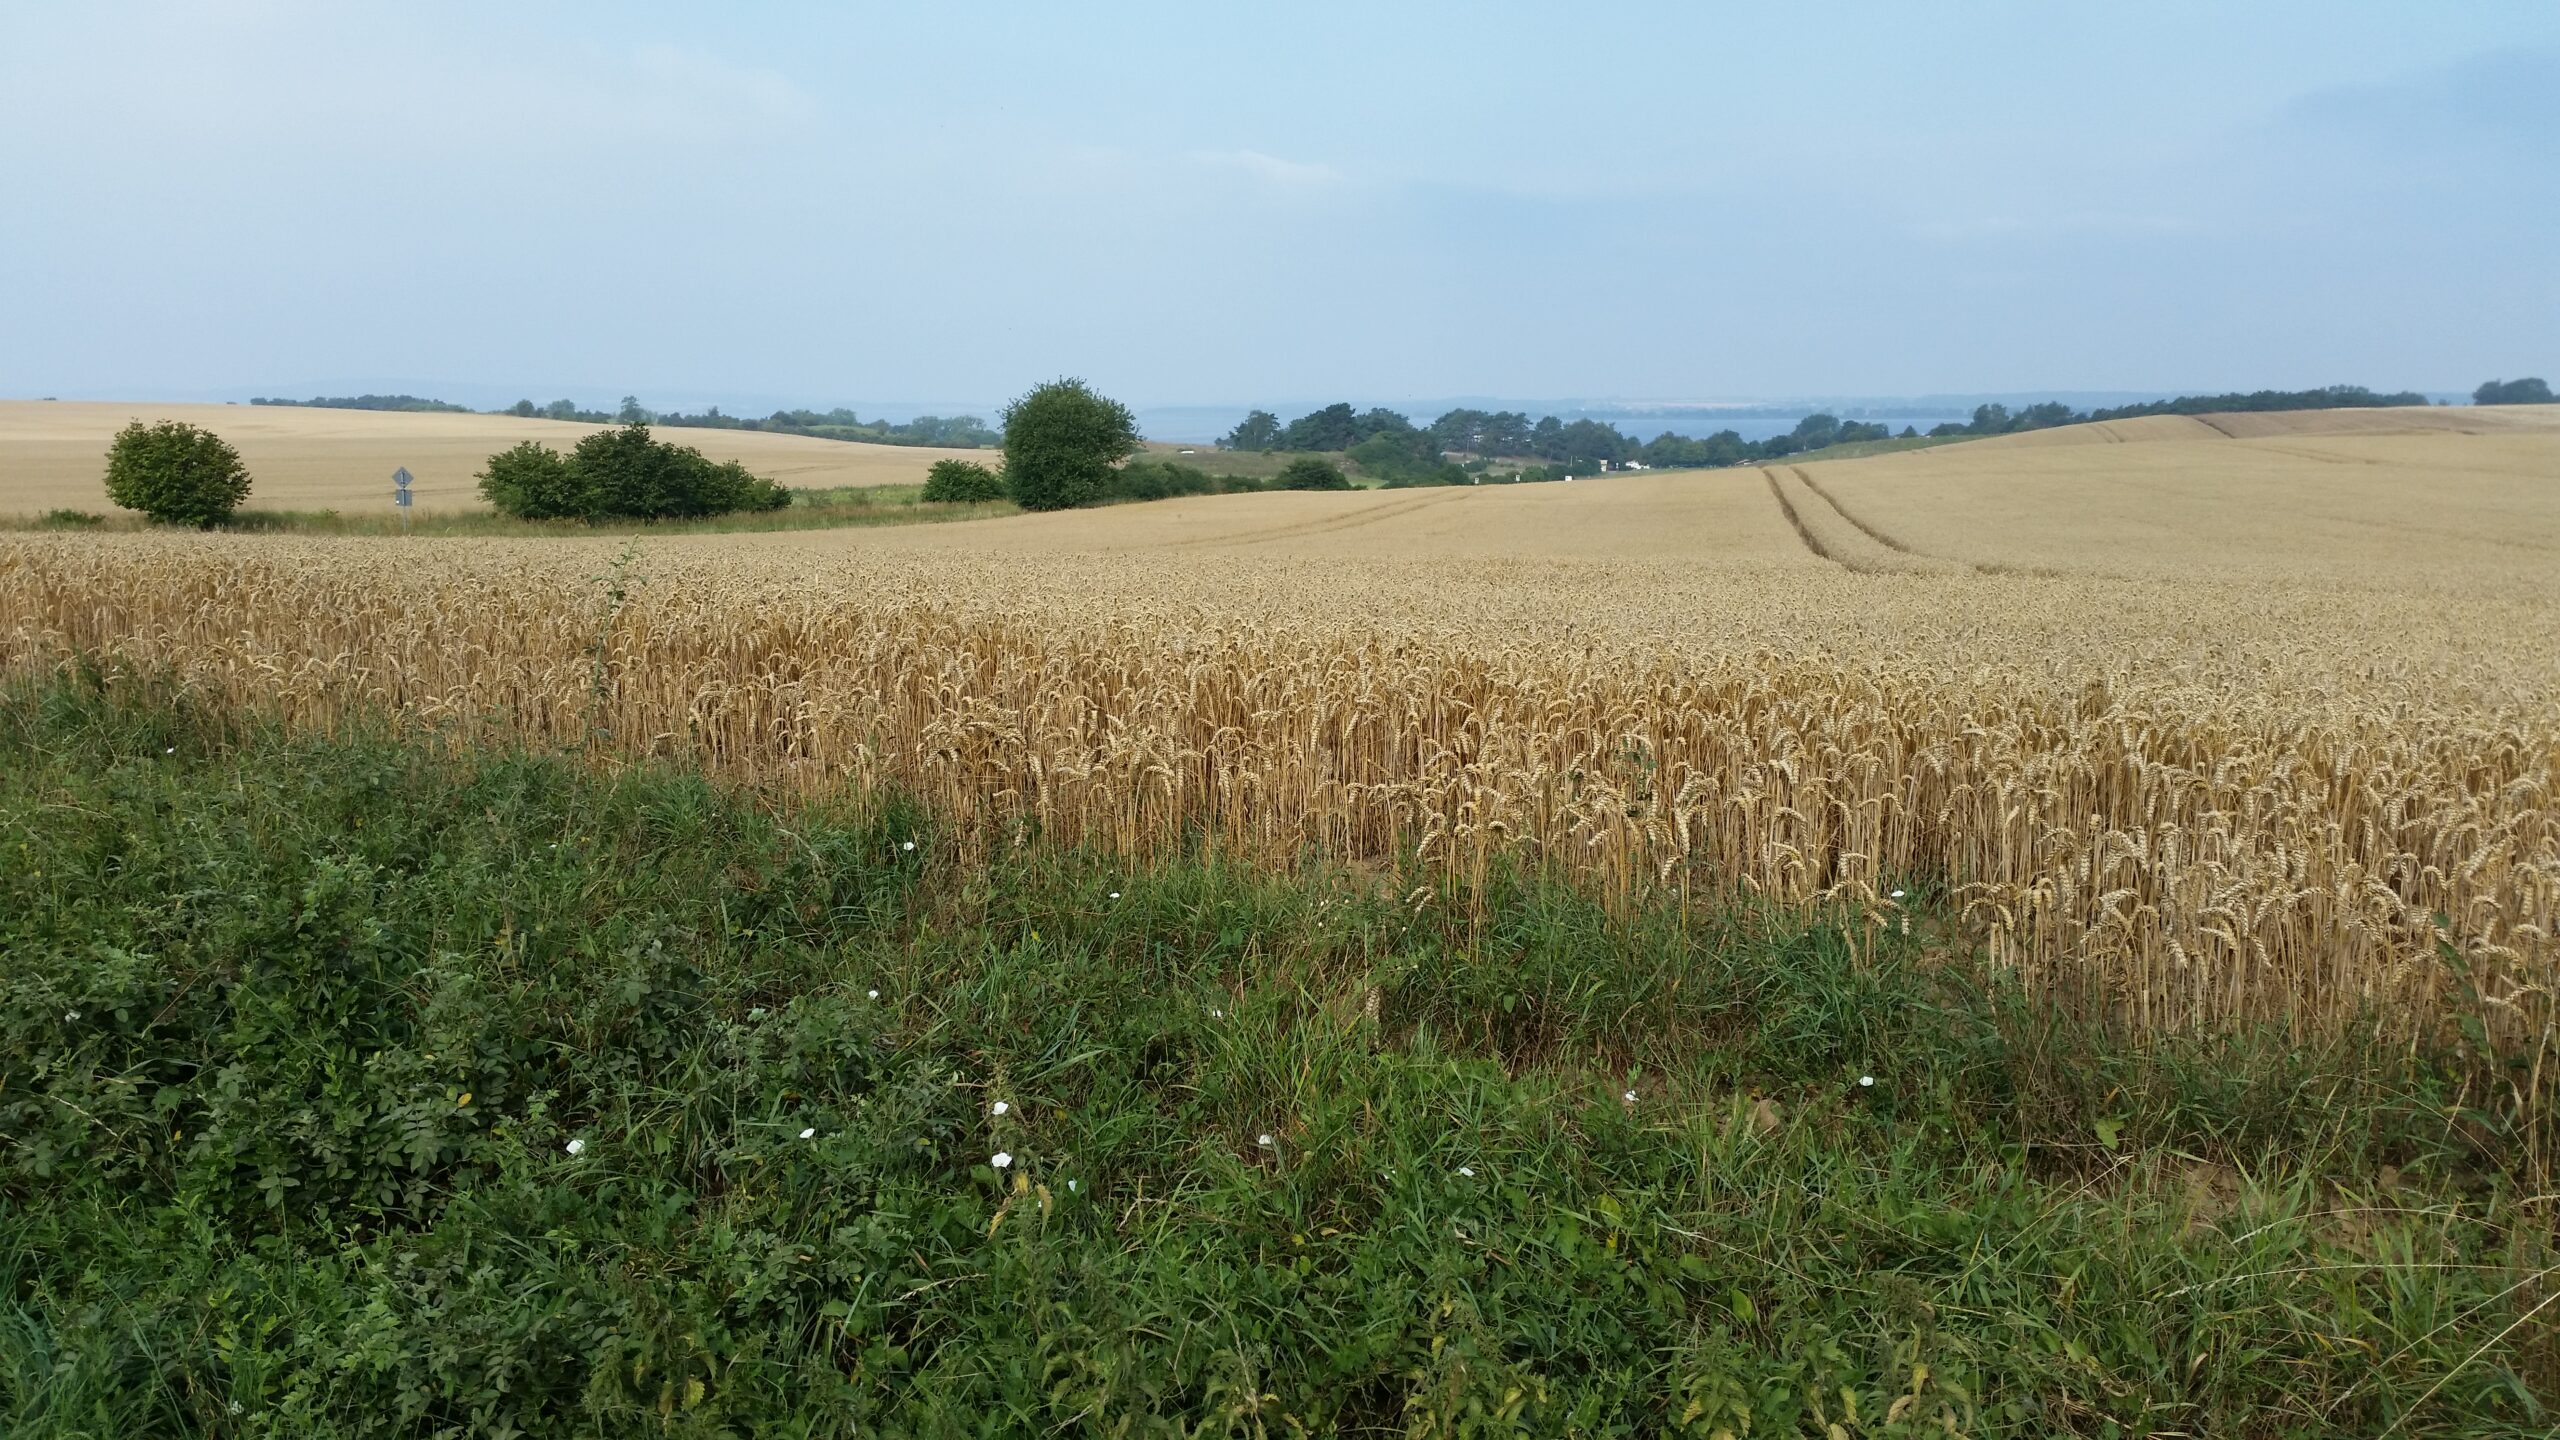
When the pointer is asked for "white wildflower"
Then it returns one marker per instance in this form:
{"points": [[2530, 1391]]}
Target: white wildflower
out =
{"points": [[172, 750], [1467, 1171], [1265, 1141], [1000, 1159], [1631, 1097], [70, 1015], [1072, 1187], [908, 845], [809, 1134], [998, 1108], [576, 1147], [1115, 894], [756, 1014], [875, 994], [1897, 894], [1866, 1080]]}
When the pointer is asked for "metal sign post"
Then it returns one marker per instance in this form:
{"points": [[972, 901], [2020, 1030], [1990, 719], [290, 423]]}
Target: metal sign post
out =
{"points": [[400, 495]]}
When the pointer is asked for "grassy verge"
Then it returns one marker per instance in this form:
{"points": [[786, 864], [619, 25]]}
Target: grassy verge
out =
{"points": [[368, 1087], [1860, 449], [840, 507]]}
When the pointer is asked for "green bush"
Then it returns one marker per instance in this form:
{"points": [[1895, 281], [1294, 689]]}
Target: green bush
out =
{"points": [[1309, 473], [961, 482], [622, 474], [71, 520], [532, 481], [176, 473], [1160, 480], [1060, 442]]}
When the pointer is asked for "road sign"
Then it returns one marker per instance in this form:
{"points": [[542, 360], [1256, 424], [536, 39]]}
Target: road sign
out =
{"points": [[400, 477], [400, 497]]}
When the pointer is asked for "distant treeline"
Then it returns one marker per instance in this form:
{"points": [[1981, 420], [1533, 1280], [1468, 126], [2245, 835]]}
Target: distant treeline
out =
{"points": [[965, 432], [366, 402], [2532, 390], [1391, 446]]}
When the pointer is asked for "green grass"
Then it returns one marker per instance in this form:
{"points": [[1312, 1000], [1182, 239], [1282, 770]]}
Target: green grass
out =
{"points": [[295, 1035], [1860, 449], [811, 509]]}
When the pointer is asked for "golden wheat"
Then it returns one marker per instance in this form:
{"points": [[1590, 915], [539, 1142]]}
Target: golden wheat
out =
{"points": [[2194, 802]]}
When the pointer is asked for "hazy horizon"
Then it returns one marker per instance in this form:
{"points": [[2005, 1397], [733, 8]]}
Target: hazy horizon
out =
{"points": [[1204, 210]]}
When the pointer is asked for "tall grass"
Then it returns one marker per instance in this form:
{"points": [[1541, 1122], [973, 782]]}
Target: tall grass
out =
{"points": [[297, 1036]]}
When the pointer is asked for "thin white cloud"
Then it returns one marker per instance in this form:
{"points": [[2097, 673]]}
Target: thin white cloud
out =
{"points": [[1957, 230], [1271, 169]]}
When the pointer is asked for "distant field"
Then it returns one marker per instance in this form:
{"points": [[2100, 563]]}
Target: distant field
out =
{"points": [[53, 453]]}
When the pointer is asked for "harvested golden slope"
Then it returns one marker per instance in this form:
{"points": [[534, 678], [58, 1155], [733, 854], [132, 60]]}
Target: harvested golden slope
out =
{"points": [[53, 453], [2443, 512]]}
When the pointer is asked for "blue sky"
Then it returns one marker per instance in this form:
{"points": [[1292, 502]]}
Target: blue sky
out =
{"points": [[1194, 203]]}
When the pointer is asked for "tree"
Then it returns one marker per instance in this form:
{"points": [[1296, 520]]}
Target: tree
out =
{"points": [[961, 482], [1260, 431], [1335, 427], [1310, 473], [2528, 391], [631, 413], [523, 408], [176, 473], [1060, 442]]}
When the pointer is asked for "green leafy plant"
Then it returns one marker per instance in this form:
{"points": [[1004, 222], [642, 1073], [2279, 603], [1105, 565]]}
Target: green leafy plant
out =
{"points": [[622, 474], [1309, 473], [1061, 441], [176, 473], [961, 482]]}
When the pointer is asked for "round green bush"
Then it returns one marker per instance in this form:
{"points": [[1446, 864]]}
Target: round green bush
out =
{"points": [[961, 482], [176, 473], [1060, 442]]}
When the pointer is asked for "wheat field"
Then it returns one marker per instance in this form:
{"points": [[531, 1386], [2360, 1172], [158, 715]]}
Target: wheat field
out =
{"points": [[53, 453], [2200, 731]]}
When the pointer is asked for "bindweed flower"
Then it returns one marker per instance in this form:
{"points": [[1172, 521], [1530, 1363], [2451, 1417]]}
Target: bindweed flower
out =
{"points": [[576, 1147], [1217, 1014], [809, 1134], [1000, 1159], [998, 1108], [69, 1015], [1467, 1171], [1073, 1187], [875, 994], [909, 845], [1265, 1141], [1897, 894], [1631, 1097], [172, 750], [1866, 1081]]}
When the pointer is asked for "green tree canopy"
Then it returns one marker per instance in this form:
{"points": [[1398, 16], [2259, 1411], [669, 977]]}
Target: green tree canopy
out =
{"points": [[1259, 431], [2528, 391], [1060, 442], [176, 473]]}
